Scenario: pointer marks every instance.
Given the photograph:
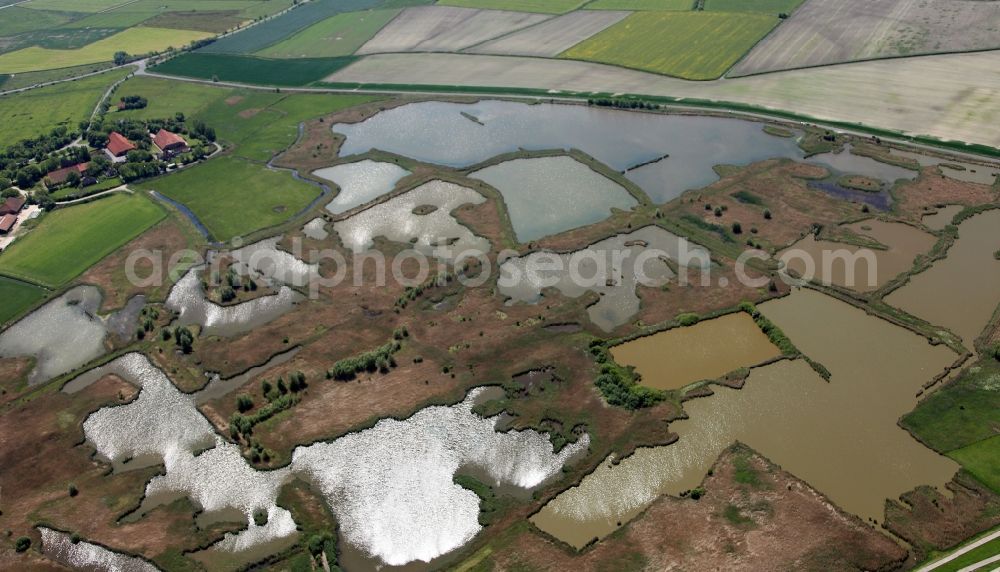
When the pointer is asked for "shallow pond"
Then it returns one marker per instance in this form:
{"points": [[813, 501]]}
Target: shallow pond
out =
{"points": [[942, 217], [958, 170], [83, 555], [187, 298], [390, 486], [264, 260], [437, 132], [707, 350], [549, 195], [397, 221], [961, 291], [316, 229], [839, 436], [834, 262], [610, 268], [846, 162], [360, 182], [664, 155], [61, 335]]}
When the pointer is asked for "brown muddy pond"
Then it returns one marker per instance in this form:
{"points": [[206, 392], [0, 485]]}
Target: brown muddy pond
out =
{"points": [[942, 217], [851, 266], [707, 350], [961, 291], [839, 436]]}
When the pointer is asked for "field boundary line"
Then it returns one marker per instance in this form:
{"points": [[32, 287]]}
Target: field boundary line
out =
{"points": [[968, 547]]}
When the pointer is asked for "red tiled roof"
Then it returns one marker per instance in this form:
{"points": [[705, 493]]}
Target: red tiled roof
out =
{"points": [[165, 139], [118, 145], [12, 205], [59, 175], [7, 222]]}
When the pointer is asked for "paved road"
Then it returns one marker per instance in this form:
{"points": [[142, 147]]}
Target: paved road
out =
{"points": [[963, 550]]}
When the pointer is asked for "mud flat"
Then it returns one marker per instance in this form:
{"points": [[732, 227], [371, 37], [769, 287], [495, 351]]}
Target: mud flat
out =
{"points": [[360, 182], [961, 291], [834, 262], [396, 220], [82, 555], [61, 335], [839, 436], [549, 195], [645, 253], [437, 132], [707, 350]]}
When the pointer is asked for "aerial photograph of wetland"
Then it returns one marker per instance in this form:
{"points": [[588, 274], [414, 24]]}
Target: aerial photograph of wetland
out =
{"points": [[500, 285]]}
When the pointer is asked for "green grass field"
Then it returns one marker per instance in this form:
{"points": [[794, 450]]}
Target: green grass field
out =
{"points": [[961, 413], [640, 5], [234, 197], [17, 297], [340, 35], [982, 459], [114, 19], [248, 69], [38, 111], [32, 78], [166, 97], [690, 45], [542, 6], [17, 20], [69, 241], [774, 7], [133, 41]]}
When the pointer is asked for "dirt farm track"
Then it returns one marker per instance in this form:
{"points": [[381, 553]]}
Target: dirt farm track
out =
{"points": [[951, 97]]}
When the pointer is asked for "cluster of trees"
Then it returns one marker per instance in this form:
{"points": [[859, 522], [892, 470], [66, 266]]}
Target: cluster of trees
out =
{"points": [[234, 283], [279, 396], [183, 338], [132, 102], [772, 331], [620, 385], [622, 103], [380, 359]]}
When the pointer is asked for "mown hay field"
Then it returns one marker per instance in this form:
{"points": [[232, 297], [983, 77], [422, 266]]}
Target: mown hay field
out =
{"points": [[38, 111], [133, 41], [554, 36], [690, 45], [446, 29], [540, 6], [249, 69], [339, 35], [283, 26], [641, 5], [266, 198], [70, 240], [823, 33], [73, 5]]}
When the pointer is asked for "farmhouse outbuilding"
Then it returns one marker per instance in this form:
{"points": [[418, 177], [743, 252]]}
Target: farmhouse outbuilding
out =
{"points": [[11, 206], [118, 145], [169, 143], [59, 176], [7, 223]]}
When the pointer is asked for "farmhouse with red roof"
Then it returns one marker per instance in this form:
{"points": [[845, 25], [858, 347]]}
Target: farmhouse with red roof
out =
{"points": [[169, 143], [7, 223], [11, 206], [118, 146], [59, 176]]}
